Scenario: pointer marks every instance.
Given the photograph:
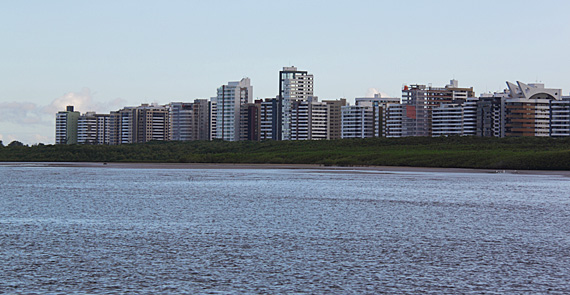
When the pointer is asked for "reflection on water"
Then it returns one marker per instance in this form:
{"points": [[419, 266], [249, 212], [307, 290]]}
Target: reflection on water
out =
{"points": [[104, 230]]}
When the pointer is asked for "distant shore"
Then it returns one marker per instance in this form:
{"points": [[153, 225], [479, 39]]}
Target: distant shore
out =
{"points": [[354, 169], [485, 153]]}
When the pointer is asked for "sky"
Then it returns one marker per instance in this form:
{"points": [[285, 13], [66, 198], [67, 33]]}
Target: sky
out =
{"points": [[104, 55]]}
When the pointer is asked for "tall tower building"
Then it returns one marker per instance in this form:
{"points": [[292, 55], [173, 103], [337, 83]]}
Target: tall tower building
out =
{"points": [[269, 121], [228, 102], [66, 126], [294, 85], [334, 118], [250, 121]]}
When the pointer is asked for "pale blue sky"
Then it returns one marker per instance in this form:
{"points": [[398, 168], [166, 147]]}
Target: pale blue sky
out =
{"points": [[102, 55]]}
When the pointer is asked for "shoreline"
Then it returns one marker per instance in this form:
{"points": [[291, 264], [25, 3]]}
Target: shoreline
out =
{"points": [[347, 169]]}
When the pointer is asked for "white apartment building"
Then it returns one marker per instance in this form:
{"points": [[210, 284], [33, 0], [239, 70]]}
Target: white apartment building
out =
{"points": [[393, 116], [455, 118], [319, 113], [372, 117], [87, 128], [447, 119], [470, 116], [227, 108], [93, 128], [358, 121]]}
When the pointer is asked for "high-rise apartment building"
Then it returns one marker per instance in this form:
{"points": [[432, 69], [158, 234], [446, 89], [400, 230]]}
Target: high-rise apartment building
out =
{"points": [[213, 117], [560, 117], [491, 115], [294, 85], [190, 121], [334, 118], [358, 120], [227, 108], [421, 99], [121, 126], [66, 126], [139, 124], [153, 123], [447, 119], [299, 120], [459, 118], [87, 128], [93, 128], [369, 117], [469, 107], [249, 122], [392, 118], [527, 109], [319, 117], [268, 120]]}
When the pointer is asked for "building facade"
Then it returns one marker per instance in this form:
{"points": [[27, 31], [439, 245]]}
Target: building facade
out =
{"points": [[190, 121], [294, 85], [269, 122], [421, 99], [527, 109], [139, 124], [227, 108], [560, 117], [66, 123], [250, 119], [93, 128]]}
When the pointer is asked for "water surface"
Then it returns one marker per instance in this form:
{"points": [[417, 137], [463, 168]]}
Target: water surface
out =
{"points": [[107, 230]]}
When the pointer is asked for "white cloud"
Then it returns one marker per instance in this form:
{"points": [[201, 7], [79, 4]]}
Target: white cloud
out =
{"points": [[28, 113], [35, 123], [83, 102], [20, 112]]}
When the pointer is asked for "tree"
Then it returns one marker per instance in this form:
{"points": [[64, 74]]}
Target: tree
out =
{"points": [[15, 143], [1, 144]]}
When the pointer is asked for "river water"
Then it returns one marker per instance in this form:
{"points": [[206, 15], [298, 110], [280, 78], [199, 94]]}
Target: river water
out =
{"points": [[231, 231]]}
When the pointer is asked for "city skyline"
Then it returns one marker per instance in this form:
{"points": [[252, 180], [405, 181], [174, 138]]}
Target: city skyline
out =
{"points": [[105, 55], [426, 111]]}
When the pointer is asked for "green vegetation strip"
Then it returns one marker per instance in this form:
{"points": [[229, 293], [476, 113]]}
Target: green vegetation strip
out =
{"points": [[457, 152]]}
